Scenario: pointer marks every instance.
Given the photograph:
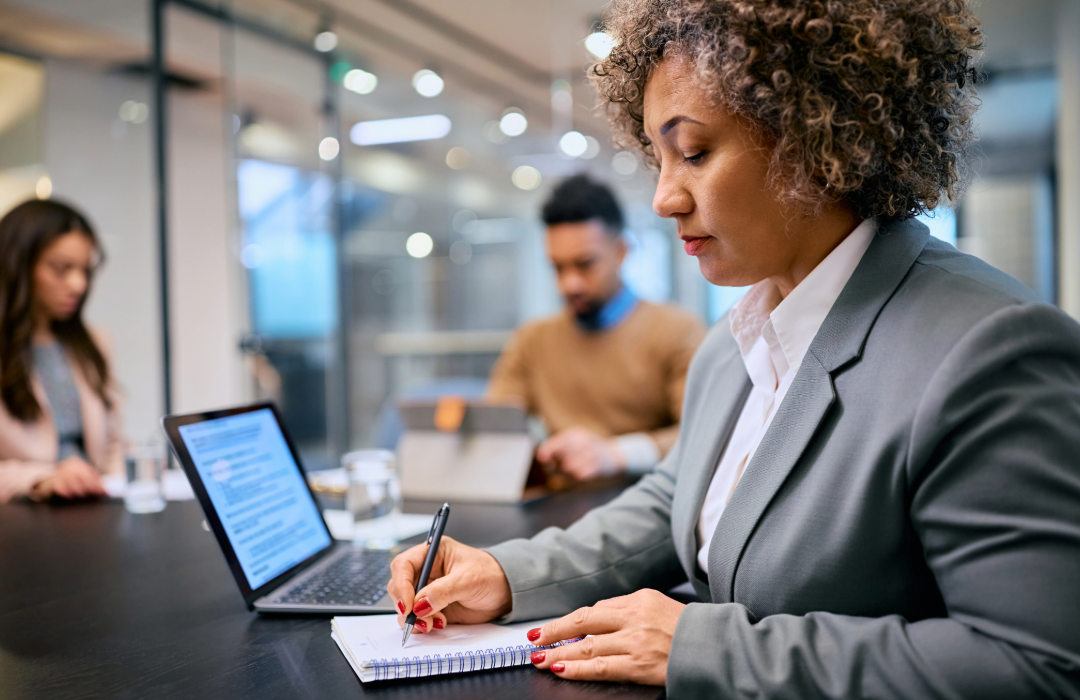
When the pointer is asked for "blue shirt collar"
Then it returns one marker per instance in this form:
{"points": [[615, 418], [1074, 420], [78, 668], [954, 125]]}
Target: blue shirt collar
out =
{"points": [[610, 314]]}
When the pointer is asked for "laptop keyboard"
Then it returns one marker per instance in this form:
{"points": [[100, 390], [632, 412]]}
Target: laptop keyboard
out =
{"points": [[359, 577]]}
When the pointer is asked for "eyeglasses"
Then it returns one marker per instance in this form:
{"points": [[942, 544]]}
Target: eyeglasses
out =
{"points": [[64, 268]]}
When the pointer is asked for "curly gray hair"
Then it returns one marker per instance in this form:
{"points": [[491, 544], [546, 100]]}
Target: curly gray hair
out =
{"points": [[866, 101]]}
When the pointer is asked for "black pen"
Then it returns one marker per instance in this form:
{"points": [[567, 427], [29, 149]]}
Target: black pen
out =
{"points": [[433, 539]]}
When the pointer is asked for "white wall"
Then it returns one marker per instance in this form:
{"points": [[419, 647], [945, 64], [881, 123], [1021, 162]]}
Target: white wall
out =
{"points": [[1007, 222], [206, 279], [104, 166]]}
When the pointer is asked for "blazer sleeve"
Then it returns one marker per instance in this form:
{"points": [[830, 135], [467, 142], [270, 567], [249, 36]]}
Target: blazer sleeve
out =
{"points": [[616, 549], [683, 344], [993, 472]]}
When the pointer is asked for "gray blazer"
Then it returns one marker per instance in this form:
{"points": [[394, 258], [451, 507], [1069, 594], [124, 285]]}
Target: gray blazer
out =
{"points": [[910, 524]]}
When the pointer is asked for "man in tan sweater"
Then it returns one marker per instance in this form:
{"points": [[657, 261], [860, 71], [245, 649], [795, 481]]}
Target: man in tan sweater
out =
{"points": [[606, 375]]}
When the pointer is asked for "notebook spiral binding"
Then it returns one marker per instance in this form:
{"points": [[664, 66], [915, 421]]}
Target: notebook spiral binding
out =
{"points": [[435, 664]]}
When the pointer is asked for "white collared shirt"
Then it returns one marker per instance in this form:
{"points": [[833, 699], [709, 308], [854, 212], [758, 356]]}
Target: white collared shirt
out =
{"points": [[773, 336]]}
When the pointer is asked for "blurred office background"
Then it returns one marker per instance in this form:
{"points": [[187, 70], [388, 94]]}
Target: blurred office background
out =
{"points": [[352, 186]]}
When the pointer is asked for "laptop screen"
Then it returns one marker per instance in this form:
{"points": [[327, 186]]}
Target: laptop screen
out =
{"points": [[258, 492]]}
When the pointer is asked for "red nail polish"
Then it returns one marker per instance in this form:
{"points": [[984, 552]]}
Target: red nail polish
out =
{"points": [[533, 635], [401, 607], [439, 624], [558, 667], [421, 625], [538, 657], [422, 608]]}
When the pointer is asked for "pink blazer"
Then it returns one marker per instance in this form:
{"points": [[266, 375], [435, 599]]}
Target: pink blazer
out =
{"points": [[28, 451]]}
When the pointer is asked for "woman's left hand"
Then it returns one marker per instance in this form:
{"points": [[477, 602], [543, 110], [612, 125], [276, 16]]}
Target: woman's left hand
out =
{"points": [[631, 640]]}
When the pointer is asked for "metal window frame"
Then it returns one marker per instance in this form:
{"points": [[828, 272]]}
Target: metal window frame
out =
{"points": [[338, 408]]}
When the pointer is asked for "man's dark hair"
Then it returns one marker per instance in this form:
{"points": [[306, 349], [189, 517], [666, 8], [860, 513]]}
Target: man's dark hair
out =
{"points": [[581, 198]]}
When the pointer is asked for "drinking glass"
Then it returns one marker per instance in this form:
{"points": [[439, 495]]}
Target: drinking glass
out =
{"points": [[144, 465], [373, 498]]}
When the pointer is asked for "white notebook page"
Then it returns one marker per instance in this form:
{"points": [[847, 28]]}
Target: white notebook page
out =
{"points": [[372, 644]]}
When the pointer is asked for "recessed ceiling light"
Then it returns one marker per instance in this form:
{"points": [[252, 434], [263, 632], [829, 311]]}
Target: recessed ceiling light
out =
{"points": [[427, 83], [432, 126], [600, 44]]}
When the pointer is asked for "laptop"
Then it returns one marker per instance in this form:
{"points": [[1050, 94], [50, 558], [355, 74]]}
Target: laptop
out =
{"points": [[247, 475], [484, 456]]}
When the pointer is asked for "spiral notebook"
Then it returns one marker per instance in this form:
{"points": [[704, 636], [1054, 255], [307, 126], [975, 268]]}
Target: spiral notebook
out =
{"points": [[372, 645]]}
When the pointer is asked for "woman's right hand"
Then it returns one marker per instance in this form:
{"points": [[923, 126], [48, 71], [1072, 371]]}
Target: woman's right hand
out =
{"points": [[74, 478], [466, 585]]}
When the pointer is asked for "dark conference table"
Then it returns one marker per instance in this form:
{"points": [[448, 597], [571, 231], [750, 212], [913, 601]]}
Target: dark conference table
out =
{"points": [[98, 603]]}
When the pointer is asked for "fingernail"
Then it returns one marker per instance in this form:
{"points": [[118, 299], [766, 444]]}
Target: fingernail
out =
{"points": [[558, 667], [422, 608], [401, 607], [533, 635], [421, 625], [538, 657], [439, 624]]}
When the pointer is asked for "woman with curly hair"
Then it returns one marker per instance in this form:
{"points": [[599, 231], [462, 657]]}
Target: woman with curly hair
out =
{"points": [[876, 488]]}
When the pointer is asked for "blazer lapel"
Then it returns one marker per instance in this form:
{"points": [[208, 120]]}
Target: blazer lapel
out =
{"points": [[807, 401], [840, 340], [703, 443]]}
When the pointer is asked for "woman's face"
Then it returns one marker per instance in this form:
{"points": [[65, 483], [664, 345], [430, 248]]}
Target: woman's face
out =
{"points": [[62, 275], [713, 169]]}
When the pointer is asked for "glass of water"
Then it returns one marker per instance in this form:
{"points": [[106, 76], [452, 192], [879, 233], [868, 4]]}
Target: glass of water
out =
{"points": [[373, 497], [145, 465]]}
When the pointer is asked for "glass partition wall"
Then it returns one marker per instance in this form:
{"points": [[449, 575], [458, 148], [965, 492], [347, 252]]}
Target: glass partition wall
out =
{"points": [[351, 215], [440, 253]]}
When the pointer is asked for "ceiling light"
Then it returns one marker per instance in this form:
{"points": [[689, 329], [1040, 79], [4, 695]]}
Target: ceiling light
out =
{"points": [[329, 148], [513, 124], [460, 252], [458, 158], [427, 83], [624, 163], [573, 144], [462, 219], [562, 100], [592, 148], [494, 134], [43, 188], [360, 81], [600, 44], [134, 112], [526, 177], [432, 126], [325, 41], [419, 245]]}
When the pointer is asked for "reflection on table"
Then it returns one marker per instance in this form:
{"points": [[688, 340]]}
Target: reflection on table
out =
{"points": [[95, 601]]}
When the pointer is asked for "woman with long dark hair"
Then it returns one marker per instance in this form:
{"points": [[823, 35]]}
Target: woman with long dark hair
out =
{"points": [[58, 410]]}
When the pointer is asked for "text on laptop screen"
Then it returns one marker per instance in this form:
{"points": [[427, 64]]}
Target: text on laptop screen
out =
{"points": [[258, 492]]}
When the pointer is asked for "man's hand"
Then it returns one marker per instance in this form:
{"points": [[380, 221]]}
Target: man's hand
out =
{"points": [[466, 585], [74, 478], [582, 453], [631, 642]]}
